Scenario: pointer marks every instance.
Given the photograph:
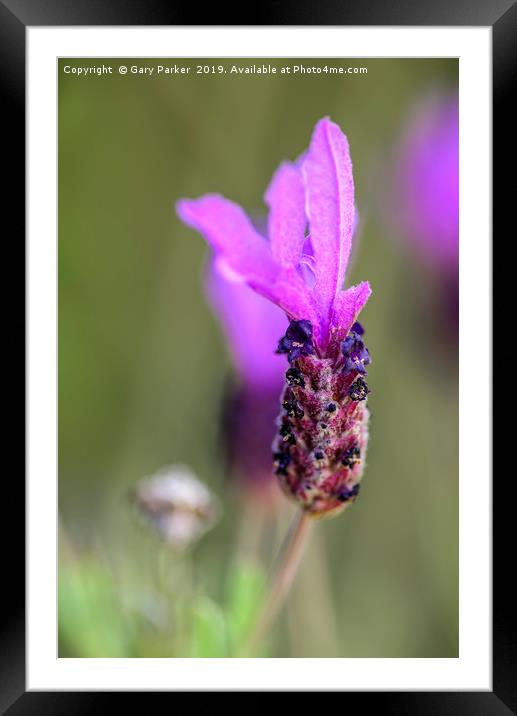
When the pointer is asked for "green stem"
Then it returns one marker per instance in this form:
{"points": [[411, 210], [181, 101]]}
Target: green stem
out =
{"points": [[287, 566]]}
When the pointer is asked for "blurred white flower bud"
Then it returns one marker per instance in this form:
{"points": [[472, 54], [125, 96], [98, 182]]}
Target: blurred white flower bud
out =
{"points": [[176, 505]]}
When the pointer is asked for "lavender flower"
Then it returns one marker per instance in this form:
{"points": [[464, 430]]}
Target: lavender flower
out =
{"points": [[322, 429], [252, 325]]}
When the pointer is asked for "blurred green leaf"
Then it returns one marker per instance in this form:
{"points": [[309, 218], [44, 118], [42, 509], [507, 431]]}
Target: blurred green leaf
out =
{"points": [[246, 592], [208, 629], [91, 623]]}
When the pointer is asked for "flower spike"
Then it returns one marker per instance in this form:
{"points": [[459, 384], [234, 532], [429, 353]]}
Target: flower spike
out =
{"points": [[322, 434]]}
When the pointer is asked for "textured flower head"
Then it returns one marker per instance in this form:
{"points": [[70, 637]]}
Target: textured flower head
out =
{"points": [[322, 433], [301, 265]]}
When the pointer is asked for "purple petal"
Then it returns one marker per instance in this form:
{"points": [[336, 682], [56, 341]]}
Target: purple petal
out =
{"points": [[285, 197], [347, 307], [327, 173], [253, 327], [231, 234], [290, 293]]}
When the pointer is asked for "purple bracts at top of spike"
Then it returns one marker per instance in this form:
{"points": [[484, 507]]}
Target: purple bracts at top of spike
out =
{"points": [[301, 266]]}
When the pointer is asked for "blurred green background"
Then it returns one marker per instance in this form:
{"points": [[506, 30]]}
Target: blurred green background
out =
{"points": [[143, 367]]}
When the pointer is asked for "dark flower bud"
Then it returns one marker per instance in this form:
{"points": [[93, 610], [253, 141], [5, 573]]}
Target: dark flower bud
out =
{"points": [[294, 377], [347, 493], [284, 345], [357, 328], [281, 462], [354, 351], [297, 340], [300, 331], [358, 390], [351, 457], [286, 435], [293, 409]]}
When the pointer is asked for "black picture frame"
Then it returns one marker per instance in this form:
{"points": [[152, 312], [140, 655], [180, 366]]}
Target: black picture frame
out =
{"points": [[15, 17]]}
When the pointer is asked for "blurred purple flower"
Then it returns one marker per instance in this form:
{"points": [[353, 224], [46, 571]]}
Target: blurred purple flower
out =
{"points": [[322, 428], [252, 326], [427, 182], [425, 206]]}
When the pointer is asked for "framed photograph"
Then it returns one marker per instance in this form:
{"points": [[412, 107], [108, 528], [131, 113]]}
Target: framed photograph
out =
{"points": [[258, 355]]}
